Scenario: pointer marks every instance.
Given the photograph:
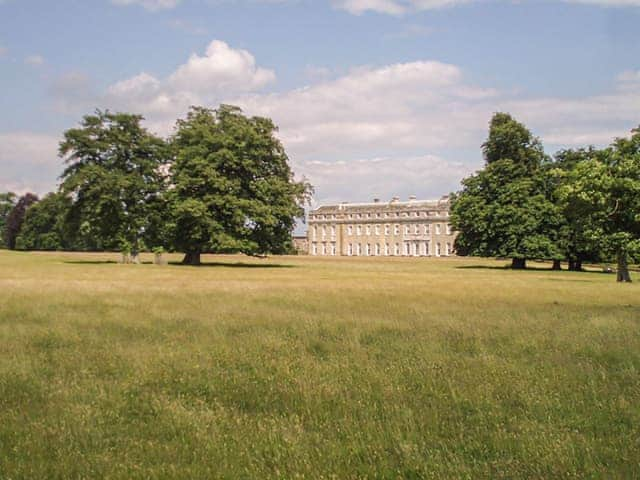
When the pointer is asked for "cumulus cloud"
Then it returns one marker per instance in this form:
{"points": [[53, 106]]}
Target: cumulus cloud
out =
{"points": [[404, 128]]}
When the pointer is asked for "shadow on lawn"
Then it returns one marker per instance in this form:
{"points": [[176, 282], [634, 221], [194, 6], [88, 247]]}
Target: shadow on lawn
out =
{"points": [[529, 269], [180, 264], [232, 265]]}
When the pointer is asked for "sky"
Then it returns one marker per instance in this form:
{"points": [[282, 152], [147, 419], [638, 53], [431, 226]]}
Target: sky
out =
{"points": [[373, 98]]}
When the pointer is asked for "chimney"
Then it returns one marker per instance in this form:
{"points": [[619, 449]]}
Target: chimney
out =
{"points": [[395, 199], [412, 198], [376, 200]]}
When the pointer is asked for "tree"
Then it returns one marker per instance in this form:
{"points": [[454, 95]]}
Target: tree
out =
{"points": [[7, 202], [504, 210], [573, 240], [233, 189], [114, 179], [15, 219], [604, 192], [43, 227]]}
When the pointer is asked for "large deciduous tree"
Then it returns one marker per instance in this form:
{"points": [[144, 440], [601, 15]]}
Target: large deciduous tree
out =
{"points": [[504, 209], [603, 195], [232, 187], [16, 217], [7, 202], [114, 179]]}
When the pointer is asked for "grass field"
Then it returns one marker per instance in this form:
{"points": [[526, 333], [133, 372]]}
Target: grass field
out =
{"points": [[315, 368]]}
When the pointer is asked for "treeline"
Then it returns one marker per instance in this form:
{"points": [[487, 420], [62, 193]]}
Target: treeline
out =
{"points": [[220, 183], [582, 205]]}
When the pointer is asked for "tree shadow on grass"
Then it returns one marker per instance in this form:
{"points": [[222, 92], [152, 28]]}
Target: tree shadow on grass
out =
{"points": [[233, 265], [529, 269], [90, 262]]}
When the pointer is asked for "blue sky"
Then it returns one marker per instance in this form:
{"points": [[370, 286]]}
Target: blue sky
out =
{"points": [[373, 97]]}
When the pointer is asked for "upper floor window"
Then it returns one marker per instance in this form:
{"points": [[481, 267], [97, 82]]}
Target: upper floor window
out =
{"points": [[407, 229], [416, 229], [349, 229], [368, 229], [333, 230], [426, 229], [448, 229], [377, 229], [437, 229], [386, 229], [396, 229], [358, 230]]}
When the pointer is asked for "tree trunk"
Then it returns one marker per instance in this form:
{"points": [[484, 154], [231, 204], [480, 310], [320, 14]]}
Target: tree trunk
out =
{"points": [[191, 258], [557, 265], [519, 263], [575, 265], [623, 267]]}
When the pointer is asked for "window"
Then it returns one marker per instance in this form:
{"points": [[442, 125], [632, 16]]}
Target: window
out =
{"points": [[324, 249], [386, 229], [386, 249], [437, 249], [324, 231], [333, 230], [426, 229], [333, 249], [351, 215], [314, 249], [416, 229], [368, 228], [350, 230], [437, 229], [358, 249], [407, 248], [396, 229], [350, 249], [315, 232], [367, 252], [377, 249], [448, 249], [425, 248], [359, 230], [448, 229], [396, 249], [407, 229], [377, 228]]}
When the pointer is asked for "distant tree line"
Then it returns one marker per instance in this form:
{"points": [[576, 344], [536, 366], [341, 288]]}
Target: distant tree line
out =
{"points": [[582, 205], [221, 183]]}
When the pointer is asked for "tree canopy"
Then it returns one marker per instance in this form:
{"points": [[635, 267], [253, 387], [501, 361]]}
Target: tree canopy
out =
{"points": [[114, 179], [232, 187], [15, 219], [504, 210], [7, 202]]}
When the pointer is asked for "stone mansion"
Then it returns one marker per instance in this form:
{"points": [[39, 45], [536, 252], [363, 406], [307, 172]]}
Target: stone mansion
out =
{"points": [[415, 228]]}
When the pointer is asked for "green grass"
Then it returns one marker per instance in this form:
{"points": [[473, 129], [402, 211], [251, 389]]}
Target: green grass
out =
{"points": [[315, 368]]}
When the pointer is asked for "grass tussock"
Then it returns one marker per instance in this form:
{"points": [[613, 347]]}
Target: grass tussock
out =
{"points": [[342, 368]]}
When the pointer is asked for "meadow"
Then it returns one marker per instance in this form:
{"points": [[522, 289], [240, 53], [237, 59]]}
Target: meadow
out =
{"points": [[299, 367]]}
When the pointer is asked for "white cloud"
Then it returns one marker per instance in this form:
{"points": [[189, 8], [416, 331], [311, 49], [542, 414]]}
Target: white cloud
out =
{"points": [[34, 60], [152, 5], [401, 7], [28, 162], [404, 128], [222, 68]]}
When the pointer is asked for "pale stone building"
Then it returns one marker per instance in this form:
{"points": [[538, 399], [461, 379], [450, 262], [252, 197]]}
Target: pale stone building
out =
{"points": [[416, 228]]}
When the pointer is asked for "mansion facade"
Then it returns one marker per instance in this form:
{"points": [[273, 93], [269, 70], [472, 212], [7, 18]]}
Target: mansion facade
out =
{"points": [[415, 228]]}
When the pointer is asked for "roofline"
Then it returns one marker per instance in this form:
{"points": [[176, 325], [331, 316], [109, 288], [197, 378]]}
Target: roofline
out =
{"points": [[379, 204]]}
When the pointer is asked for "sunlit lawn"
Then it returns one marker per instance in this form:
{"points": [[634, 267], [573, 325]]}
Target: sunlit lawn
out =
{"points": [[295, 367]]}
